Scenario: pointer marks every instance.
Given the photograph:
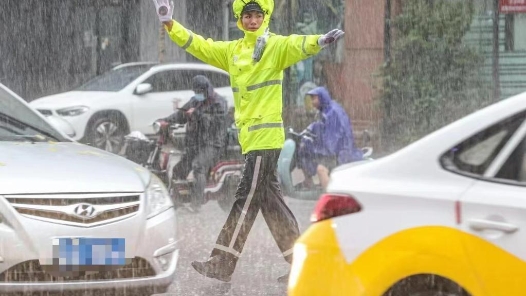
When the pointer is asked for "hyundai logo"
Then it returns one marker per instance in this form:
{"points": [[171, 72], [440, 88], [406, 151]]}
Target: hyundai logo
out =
{"points": [[85, 211]]}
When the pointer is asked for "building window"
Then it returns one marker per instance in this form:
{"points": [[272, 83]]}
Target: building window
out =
{"points": [[515, 35]]}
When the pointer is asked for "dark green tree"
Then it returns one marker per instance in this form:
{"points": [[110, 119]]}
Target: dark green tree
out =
{"points": [[433, 77]]}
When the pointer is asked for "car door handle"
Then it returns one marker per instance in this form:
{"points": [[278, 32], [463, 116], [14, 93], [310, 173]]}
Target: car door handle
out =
{"points": [[481, 224]]}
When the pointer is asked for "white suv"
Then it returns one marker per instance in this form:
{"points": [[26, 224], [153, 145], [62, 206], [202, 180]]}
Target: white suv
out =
{"points": [[74, 217], [129, 97]]}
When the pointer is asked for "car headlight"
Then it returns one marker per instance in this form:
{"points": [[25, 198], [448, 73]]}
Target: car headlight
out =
{"points": [[73, 111], [157, 197]]}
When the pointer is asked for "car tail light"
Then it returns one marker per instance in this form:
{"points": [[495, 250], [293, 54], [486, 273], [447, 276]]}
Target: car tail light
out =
{"points": [[334, 205]]}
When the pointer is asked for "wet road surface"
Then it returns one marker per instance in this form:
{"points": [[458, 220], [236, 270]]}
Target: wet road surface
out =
{"points": [[258, 268]]}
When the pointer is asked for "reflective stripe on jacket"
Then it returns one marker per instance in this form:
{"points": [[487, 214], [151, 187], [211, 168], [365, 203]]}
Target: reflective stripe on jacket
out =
{"points": [[257, 87]]}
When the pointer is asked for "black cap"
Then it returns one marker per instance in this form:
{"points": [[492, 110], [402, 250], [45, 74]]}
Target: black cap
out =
{"points": [[252, 6]]}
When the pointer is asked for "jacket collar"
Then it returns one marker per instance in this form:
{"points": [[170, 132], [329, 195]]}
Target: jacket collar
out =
{"points": [[251, 37]]}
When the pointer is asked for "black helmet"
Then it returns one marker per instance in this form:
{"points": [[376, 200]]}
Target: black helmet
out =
{"points": [[201, 85]]}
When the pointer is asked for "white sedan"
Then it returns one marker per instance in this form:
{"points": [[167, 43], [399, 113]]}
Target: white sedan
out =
{"points": [[75, 219], [129, 97], [444, 216]]}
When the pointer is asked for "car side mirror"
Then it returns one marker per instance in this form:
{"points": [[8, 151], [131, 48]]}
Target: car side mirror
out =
{"points": [[143, 88]]}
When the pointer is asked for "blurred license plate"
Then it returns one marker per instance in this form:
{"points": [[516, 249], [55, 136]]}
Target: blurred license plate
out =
{"points": [[88, 252]]}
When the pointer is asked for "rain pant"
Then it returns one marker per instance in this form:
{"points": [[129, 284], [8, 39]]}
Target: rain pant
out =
{"points": [[259, 190], [333, 136], [257, 88]]}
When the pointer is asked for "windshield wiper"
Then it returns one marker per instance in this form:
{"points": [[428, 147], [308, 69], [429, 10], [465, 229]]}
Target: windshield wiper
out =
{"points": [[13, 121], [32, 138]]}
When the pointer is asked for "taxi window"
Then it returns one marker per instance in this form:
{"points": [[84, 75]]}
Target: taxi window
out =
{"points": [[514, 169], [474, 155]]}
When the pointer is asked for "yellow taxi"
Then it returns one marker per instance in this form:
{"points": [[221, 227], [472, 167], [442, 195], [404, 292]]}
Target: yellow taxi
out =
{"points": [[446, 215]]}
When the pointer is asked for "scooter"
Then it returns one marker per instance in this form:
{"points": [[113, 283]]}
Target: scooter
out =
{"points": [[150, 153], [222, 180], [287, 165]]}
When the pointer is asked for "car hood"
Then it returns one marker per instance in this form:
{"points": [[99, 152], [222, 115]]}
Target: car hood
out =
{"points": [[68, 167], [70, 99]]}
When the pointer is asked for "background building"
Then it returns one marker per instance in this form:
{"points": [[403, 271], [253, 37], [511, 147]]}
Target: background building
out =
{"points": [[52, 46], [55, 45]]}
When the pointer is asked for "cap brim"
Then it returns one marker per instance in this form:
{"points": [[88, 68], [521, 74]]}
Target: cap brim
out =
{"points": [[312, 92], [252, 6], [253, 10]]}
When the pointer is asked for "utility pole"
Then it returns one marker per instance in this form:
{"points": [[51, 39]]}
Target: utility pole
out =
{"points": [[287, 81], [387, 32], [496, 72]]}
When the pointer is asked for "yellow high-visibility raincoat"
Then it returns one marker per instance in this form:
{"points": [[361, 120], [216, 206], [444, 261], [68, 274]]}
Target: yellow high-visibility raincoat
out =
{"points": [[257, 86]]}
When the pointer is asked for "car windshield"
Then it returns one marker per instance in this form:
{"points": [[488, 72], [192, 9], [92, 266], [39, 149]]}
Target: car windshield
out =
{"points": [[115, 80], [19, 122]]}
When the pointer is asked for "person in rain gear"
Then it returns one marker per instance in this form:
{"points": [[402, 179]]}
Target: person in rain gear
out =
{"points": [[205, 116], [255, 64], [332, 143]]}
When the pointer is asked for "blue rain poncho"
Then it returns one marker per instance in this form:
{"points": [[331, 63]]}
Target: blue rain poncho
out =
{"points": [[333, 135]]}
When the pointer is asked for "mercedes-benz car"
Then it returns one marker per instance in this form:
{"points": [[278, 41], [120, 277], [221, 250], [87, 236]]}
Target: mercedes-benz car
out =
{"points": [[74, 217], [130, 97]]}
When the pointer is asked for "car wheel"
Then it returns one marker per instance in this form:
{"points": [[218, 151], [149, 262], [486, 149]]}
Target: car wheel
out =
{"points": [[433, 293], [107, 133], [426, 285]]}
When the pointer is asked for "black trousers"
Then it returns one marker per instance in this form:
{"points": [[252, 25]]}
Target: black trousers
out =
{"points": [[200, 161], [259, 190]]}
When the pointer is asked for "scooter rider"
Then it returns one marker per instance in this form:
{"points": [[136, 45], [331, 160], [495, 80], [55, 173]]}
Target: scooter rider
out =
{"points": [[205, 119], [255, 64], [333, 140]]}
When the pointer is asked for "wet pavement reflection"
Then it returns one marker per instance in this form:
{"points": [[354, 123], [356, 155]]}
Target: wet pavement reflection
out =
{"points": [[258, 268]]}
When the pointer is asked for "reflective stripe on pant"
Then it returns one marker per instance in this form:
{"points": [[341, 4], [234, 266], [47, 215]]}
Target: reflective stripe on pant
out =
{"points": [[259, 190]]}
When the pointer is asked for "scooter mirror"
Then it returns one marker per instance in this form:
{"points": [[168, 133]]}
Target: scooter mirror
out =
{"points": [[156, 127], [367, 152]]}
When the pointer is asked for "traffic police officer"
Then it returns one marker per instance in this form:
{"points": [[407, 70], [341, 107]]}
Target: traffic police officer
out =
{"points": [[255, 64]]}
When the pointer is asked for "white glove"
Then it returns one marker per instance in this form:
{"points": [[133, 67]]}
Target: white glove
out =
{"points": [[330, 37], [165, 10]]}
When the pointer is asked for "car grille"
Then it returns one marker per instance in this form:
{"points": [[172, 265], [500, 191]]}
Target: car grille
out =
{"points": [[45, 112], [31, 271], [85, 210]]}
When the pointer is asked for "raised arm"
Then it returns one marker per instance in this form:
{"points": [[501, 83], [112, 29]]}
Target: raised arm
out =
{"points": [[295, 48], [207, 50]]}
